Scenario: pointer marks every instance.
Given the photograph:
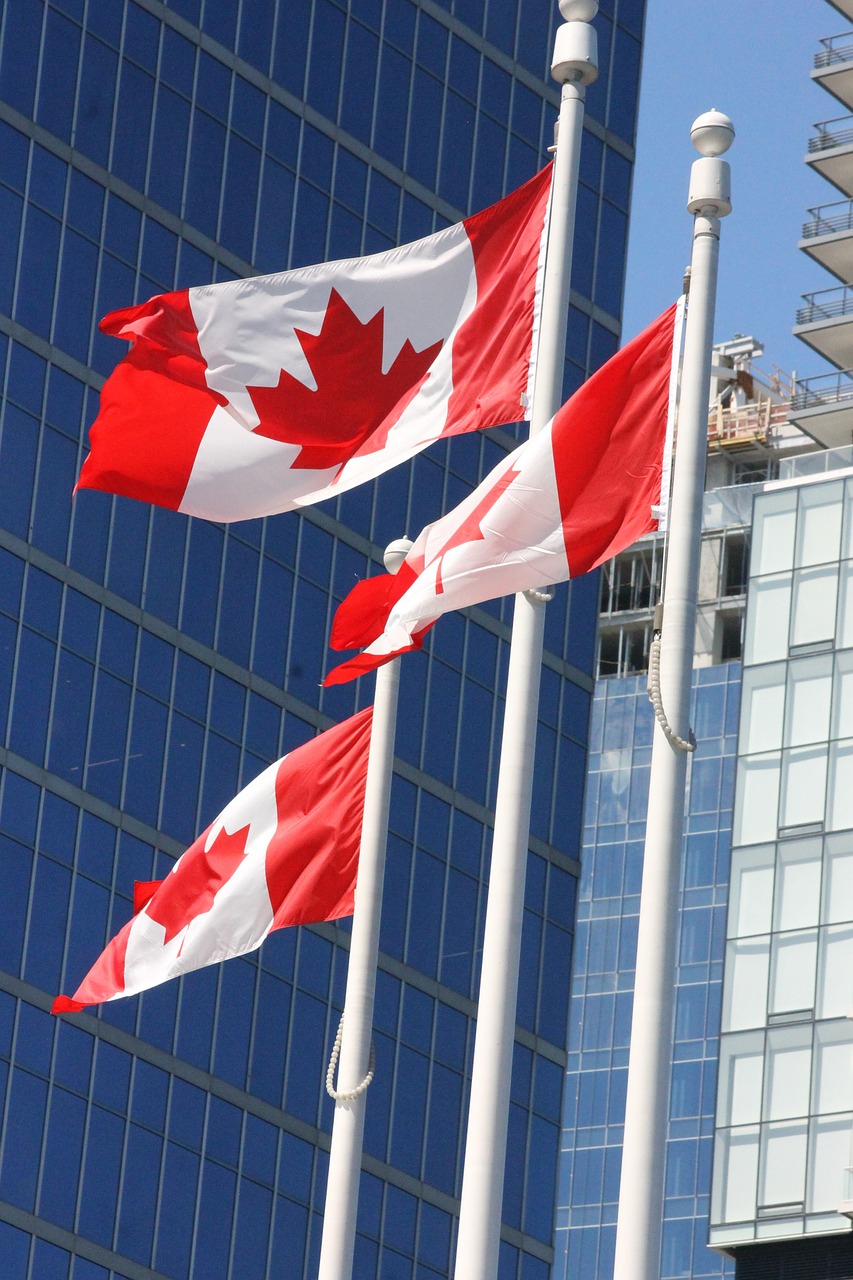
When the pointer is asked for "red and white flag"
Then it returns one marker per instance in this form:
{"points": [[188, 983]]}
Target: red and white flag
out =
{"points": [[284, 851], [256, 396], [587, 486]]}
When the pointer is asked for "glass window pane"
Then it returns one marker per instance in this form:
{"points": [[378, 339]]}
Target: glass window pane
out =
{"points": [[809, 697], [756, 800], [840, 801], [792, 972], [735, 1175], [745, 995], [763, 709], [786, 1089], [829, 1159], [798, 884], [847, 537], [783, 1164], [741, 1073], [751, 900], [819, 525], [767, 620], [833, 1067], [803, 786], [813, 609], [838, 881], [773, 532], [845, 608], [842, 709], [835, 985]]}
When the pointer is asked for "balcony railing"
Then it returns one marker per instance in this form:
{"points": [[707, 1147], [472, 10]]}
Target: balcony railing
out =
{"points": [[827, 218], [832, 133], [826, 304], [835, 49], [825, 389]]}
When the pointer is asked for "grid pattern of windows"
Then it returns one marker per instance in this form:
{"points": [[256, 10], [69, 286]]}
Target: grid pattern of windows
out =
{"points": [[150, 665], [784, 1120], [602, 986]]}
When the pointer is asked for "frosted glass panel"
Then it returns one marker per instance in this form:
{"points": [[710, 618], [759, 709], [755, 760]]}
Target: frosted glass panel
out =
{"points": [[741, 1074], [735, 1175], [756, 800], [835, 977], [763, 703], [819, 524], [839, 810], [745, 994], [842, 710], [809, 700], [803, 786], [773, 533], [767, 620], [829, 1158], [847, 533], [783, 1164], [786, 1088], [751, 893], [832, 1088], [792, 972], [813, 610], [845, 610], [838, 880], [798, 884]]}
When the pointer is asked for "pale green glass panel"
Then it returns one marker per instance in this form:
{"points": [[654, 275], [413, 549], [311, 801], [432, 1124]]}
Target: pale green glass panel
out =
{"points": [[798, 879], [751, 891], [835, 976], [767, 620], [787, 1071], [756, 800], [809, 700], [762, 708], [803, 786], [829, 1160], [819, 523], [814, 604], [793, 960], [740, 1079], [782, 1174], [832, 1086], [773, 530], [745, 985]]}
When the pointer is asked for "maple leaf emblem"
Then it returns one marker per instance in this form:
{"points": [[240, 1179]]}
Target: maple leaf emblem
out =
{"points": [[189, 891], [470, 530], [355, 404]]}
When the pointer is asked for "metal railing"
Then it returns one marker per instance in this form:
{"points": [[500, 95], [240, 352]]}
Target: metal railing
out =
{"points": [[828, 137], [826, 304], [825, 389], [835, 49], [828, 218]]}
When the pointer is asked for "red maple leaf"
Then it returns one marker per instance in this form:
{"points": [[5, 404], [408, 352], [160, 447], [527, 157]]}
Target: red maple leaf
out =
{"points": [[470, 530], [355, 404], [189, 890]]}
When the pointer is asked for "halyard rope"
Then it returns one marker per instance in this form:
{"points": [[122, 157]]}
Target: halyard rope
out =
{"points": [[657, 702], [347, 1095]]}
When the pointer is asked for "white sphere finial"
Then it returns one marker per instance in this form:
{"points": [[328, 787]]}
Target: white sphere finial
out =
{"points": [[578, 10], [712, 133], [396, 552]]}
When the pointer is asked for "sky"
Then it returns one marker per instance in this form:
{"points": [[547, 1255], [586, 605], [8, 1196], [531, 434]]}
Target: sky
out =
{"points": [[752, 60]]}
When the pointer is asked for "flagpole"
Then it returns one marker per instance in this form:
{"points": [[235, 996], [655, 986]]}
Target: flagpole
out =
{"points": [[640, 1214], [355, 1069], [575, 65]]}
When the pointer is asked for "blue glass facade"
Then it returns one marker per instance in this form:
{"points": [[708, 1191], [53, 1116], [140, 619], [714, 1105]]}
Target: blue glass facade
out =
{"points": [[150, 664], [603, 978]]}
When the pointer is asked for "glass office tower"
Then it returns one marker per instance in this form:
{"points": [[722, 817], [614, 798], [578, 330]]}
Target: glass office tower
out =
{"points": [[151, 664]]}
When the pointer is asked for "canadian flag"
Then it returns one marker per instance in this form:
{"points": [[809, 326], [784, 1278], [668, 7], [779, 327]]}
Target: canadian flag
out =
{"points": [[284, 851], [256, 396], [583, 489]]}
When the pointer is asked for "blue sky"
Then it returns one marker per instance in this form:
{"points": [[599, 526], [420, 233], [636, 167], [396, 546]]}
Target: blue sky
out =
{"points": [[751, 60]]}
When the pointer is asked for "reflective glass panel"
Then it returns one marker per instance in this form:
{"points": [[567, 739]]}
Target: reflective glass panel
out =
{"points": [[783, 1164], [751, 900], [773, 532], [838, 880], [767, 620], [819, 524], [829, 1160], [763, 709], [757, 800], [745, 996], [842, 701], [741, 1074], [813, 610], [833, 1067], [809, 698], [803, 786], [798, 884], [845, 607], [786, 1086], [839, 815], [835, 982], [735, 1175], [792, 972]]}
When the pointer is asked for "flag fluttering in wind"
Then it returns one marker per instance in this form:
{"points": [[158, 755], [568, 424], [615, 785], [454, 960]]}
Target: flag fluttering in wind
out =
{"points": [[580, 491], [256, 396], [283, 852]]}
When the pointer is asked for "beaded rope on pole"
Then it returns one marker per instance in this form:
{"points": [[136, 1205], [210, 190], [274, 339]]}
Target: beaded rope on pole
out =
{"points": [[657, 702], [347, 1095]]}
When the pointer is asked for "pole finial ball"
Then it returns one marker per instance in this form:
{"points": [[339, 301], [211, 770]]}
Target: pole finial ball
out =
{"points": [[578, 10], [712, 133], [395, 553]]}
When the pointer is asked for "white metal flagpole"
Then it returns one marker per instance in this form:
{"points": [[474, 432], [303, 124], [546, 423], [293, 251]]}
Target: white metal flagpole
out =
{"points": [[638, 1230], [355, 1070], [575, 65]]}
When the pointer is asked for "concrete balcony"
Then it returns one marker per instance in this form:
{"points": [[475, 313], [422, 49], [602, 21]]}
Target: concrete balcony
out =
{"points": [[831, 152], [828, 238], [844, 7], [825, 323], [833, 67], [823, 408]]}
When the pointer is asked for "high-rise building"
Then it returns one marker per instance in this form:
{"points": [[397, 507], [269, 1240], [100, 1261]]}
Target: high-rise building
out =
{"points": [[151, 664], [760, 1138]]}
